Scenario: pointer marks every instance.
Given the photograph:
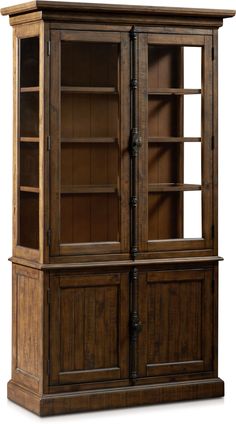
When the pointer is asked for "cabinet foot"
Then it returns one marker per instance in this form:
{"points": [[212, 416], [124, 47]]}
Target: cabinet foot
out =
{"points": [[91, 400]]}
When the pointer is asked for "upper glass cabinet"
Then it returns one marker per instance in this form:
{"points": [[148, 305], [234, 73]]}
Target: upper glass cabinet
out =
{"points": [[178, 130], [92, 143]]}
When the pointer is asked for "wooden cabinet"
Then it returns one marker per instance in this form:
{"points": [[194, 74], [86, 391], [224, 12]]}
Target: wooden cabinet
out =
{"points": [[115, 251]]}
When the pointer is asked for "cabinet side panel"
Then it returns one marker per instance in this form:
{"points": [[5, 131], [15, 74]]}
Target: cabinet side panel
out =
{"points": [[27, 327]]}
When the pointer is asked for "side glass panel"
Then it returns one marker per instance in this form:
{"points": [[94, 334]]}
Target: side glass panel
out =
{"points": [[90, 141], [174, 142], [28, 143]]}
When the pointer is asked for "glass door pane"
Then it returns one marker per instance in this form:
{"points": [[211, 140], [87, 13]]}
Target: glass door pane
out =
{"points": [[90, 142], [175, 140], [28, 143]]}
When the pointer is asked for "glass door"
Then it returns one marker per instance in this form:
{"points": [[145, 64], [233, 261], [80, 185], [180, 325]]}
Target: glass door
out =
{"points": [[89, 133], [177, 188], [27, 143]]}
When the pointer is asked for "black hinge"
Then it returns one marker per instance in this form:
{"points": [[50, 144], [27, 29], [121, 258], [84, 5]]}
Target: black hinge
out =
{"points": [[49, 48], [48, 296], [49, 236], [212, 53], [212, 231], [48, 367], [49, 143], [212, 142]]}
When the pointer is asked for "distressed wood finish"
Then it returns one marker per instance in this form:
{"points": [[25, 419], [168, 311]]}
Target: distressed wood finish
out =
{"points": [[177, 309], [27, 334], [89, 328], [112, 306]]}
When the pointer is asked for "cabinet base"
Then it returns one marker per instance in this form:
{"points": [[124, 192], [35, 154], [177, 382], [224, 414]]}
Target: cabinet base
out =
{"points": [[114, 398]]}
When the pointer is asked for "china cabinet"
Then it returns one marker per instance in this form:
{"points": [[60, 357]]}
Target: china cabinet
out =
{"points": [[115, 256]]}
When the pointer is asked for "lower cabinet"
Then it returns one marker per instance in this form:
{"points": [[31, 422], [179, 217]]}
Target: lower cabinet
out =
{"points": [[113, 337], [90, 338]]}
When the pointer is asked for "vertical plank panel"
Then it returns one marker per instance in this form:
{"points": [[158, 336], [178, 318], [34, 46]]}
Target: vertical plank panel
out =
{"points": [[67, 329], [100, 334], [89, 329], [111, 317], [79, 329]]}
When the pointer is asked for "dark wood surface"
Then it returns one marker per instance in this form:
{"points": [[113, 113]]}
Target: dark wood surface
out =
{"points": [[97, 324], [176, 308], [89, 325]]}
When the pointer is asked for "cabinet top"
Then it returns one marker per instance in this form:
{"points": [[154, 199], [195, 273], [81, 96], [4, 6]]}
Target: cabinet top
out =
{"points": [[38, 5]]}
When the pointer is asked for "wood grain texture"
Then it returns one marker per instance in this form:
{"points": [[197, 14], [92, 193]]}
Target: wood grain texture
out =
{"points": [[109, 399], [89, 326], [27, 327], [177, 309], [70, 6]]}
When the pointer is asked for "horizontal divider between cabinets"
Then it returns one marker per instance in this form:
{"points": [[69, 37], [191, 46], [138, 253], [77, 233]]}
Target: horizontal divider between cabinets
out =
{"points": [[174, 139], [29, 89], [89, 90], [115, 263], [29, 139], [175, 91], [87, 189], [89, 140], [29, 189], [153, 188]]}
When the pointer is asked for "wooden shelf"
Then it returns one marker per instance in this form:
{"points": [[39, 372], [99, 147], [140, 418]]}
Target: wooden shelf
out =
{"points": [[90, 140], [29, 139], [154, 188], [29, 189], [29, 89], [174, 139], [174, 91], [89, 90], [87, 189]]}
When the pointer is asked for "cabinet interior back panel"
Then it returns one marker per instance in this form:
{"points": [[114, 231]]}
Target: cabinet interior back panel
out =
{"points": [[89, 115], [89, 163], [29, 220], [89, 64], [164, 210], [89, 218]]}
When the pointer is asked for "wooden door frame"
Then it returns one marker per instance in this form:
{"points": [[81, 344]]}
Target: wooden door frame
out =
{"points": [[57, 283], [206, 363], [23, 32], [122, 246], [206, 242]]}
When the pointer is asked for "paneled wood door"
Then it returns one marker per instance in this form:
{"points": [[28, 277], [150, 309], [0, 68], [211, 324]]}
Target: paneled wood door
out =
{"points": [[176, 309], [89, 142], [89, 328]]}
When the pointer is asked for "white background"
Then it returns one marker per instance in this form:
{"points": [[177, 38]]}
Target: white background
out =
{"points": [[216, 410]]}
